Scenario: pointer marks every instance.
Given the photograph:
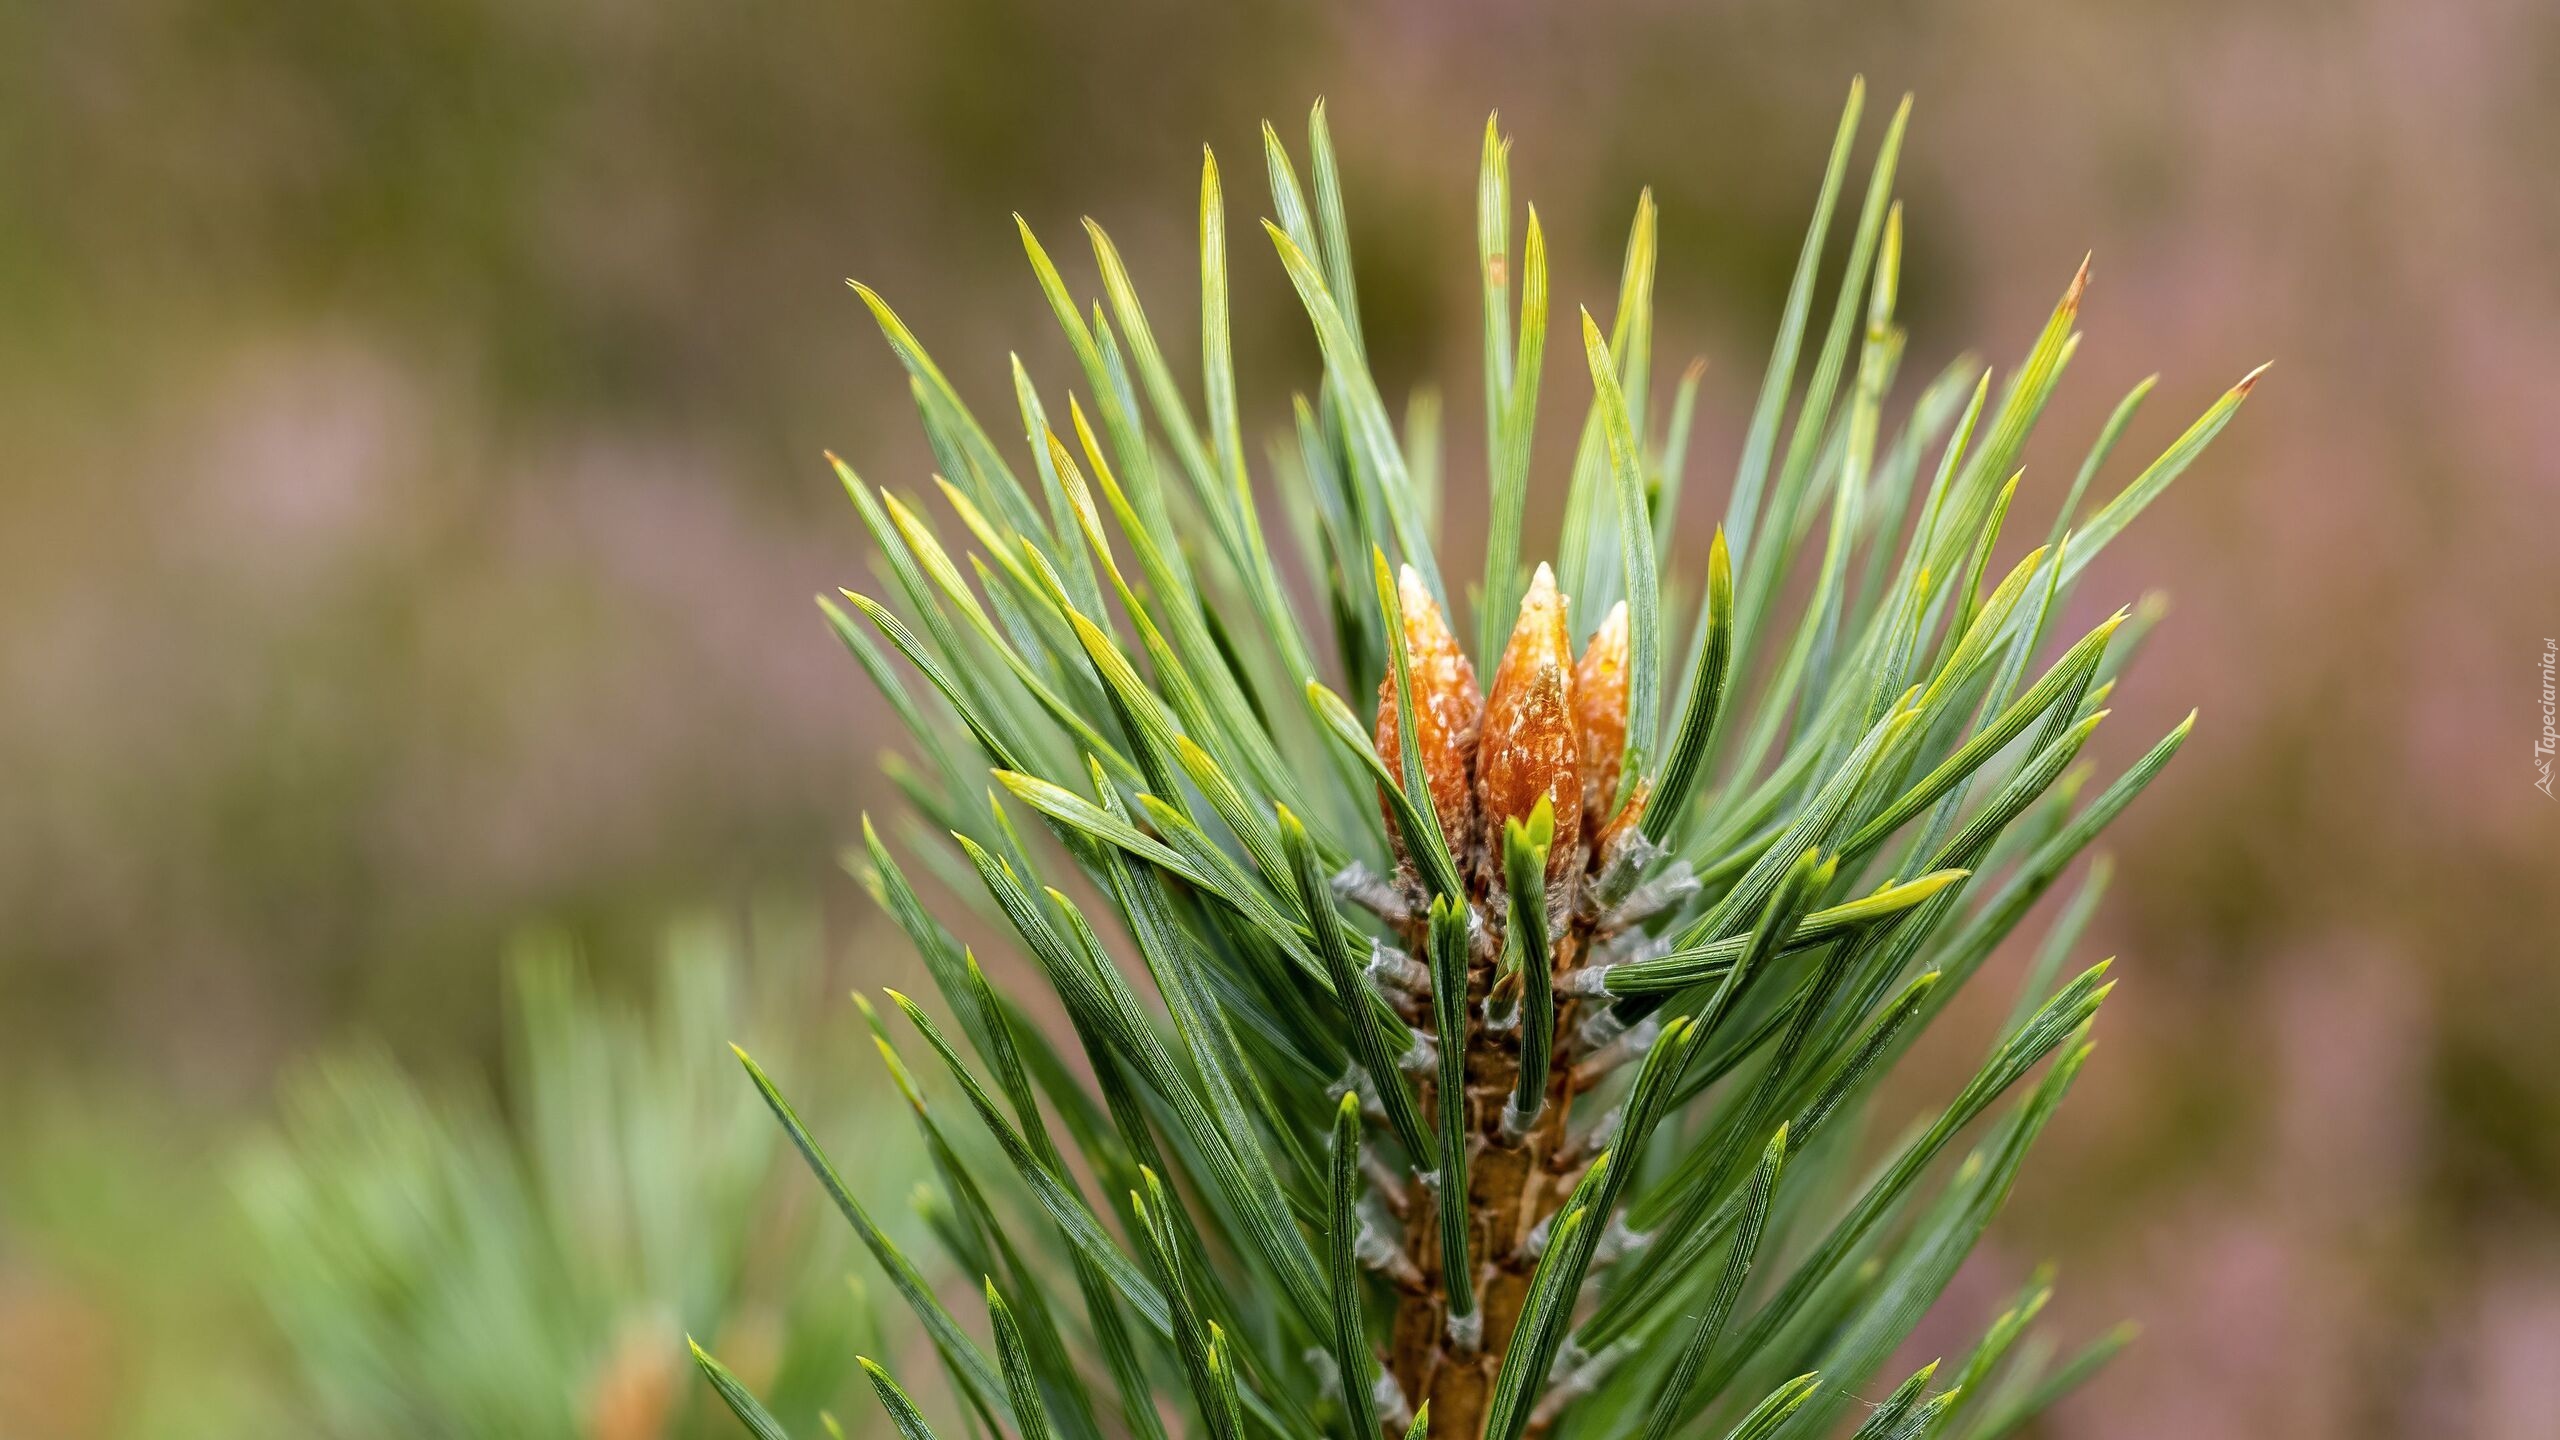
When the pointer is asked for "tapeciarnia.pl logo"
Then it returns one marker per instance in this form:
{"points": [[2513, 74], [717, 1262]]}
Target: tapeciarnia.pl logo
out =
{"points": [[2550, 738]]}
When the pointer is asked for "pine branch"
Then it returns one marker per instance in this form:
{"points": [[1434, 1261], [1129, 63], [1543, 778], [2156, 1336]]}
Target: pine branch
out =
{"points": [[1461, 1154]]}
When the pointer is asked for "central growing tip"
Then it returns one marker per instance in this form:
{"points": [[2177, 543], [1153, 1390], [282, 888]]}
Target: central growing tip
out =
{"points": [[1538, 753]]}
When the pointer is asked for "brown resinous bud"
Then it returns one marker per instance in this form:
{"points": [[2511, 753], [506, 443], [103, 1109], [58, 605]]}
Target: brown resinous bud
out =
{"points": [[1532, 748], [1448, 710], [1600, 713]]}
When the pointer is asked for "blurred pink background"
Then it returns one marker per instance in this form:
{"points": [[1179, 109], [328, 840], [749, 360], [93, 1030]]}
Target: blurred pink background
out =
{"points": [[415, 505]]}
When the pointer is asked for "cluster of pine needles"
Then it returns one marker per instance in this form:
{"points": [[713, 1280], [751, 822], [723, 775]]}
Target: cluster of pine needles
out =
{"points": [[1513, 1045], [443, 1261]]}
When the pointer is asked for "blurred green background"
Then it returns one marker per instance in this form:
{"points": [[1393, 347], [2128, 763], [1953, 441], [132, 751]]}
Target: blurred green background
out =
{"points": [[413, 504]]}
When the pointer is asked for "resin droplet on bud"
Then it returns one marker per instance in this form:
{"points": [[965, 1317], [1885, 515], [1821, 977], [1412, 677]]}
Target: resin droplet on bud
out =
{"points": [[1447, 708], [1600, 714], [1532, 747]]}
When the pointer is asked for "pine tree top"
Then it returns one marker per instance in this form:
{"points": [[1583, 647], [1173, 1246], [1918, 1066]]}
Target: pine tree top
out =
{"points": [[1510, 1043]]}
